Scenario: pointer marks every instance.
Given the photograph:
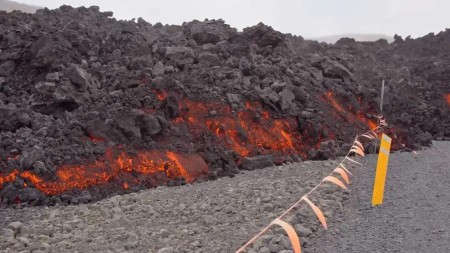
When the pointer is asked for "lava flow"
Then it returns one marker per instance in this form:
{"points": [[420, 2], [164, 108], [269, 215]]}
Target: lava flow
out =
{"points": [[249, 132], [173, 165], [359, 116]]}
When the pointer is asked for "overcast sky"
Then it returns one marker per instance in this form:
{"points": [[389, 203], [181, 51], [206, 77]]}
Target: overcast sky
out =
{"points": [[308, 18]]}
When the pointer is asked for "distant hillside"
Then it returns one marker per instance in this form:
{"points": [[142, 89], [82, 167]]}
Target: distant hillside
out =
{"points": [[358, 37], [12, 6]]}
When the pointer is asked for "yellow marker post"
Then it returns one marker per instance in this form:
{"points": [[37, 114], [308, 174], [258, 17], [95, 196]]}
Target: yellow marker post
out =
{"points": [[380, 175]]}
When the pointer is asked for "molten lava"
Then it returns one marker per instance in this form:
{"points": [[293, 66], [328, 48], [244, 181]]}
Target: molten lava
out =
{"points": [[249, 132], [160, 94], [330, 97], [94, 138], [359, 116], [8, 178], [174, 165], [370, 123], [447, 98]]}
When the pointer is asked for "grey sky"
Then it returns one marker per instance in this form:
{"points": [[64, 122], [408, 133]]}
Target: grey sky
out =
{"points": [[309, 18]]}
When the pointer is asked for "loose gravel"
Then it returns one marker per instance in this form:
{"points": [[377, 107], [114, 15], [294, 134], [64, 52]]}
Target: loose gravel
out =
{"points": [[220, 215], [214, 216], [414, 217]]}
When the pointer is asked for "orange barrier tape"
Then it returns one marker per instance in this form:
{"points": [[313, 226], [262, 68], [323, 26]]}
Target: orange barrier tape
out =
{"points": [[367, 136], [295, 240], [317, 211], [359, 145], [335, 181], [343, 167], [357, 148], [343, 174], [351, 160]]}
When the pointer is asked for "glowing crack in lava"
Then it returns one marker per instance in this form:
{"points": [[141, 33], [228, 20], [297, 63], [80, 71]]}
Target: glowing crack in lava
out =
{"points": [[447, 98], [249, 132], [174, 165], [8, 178], [359, 116], [160, 94]]}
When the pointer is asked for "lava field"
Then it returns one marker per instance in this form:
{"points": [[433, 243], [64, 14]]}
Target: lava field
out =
{"points": [[91, 106]]}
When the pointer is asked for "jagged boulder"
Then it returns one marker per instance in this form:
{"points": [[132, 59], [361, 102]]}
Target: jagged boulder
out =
{"points": [[180, 55], [208, 59], [7, 68], [333, 69], [263, 35], [209, 31], [80, 78], [257, 162], [286, 99]]}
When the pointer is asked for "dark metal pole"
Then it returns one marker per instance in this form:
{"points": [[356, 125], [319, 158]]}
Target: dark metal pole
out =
{"points": [[381, 109], [381, 97]]}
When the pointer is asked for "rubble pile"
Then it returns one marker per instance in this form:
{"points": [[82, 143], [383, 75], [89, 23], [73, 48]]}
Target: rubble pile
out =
{"points": [[92, 106]]}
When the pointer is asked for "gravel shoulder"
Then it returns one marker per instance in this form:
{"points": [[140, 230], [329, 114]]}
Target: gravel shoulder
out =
{"points": [[220, 215], [415, 214], [213, 216]]}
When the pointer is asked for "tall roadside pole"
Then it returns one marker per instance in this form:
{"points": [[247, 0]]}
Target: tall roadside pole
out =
{"points": [[381, 108], [383, 159], [381, 97]]}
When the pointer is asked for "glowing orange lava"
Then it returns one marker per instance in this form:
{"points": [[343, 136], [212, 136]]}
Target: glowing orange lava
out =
{"points": [[249, 132], [370, 123], [94, 138], [359, 116], [174, 165], [333, 101], [8, 178], [447, 98], [160, 94]]}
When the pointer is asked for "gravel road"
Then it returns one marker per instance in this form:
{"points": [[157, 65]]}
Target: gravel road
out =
{"points": [[214, 216], [414, 217], [219, 216]]}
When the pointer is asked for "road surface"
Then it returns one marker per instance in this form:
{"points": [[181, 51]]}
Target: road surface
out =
{"points": [[415, 216]]}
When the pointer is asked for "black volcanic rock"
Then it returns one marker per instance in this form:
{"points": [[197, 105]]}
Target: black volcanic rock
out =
{"points": [[75, 83], [257, 162], [263, 35], [209, 31]]}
